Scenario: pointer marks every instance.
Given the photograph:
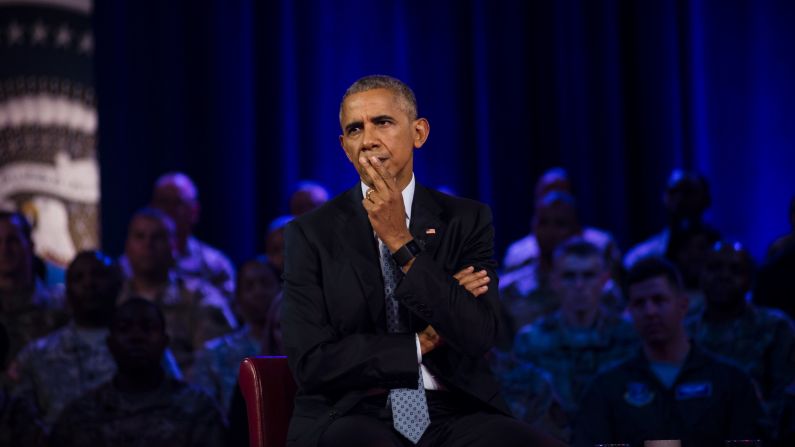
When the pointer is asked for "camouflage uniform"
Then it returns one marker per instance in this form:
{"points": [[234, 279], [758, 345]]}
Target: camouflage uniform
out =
{"points": [[572, 357], [761, 341], [195, 312], [216, 366], [526, 295], [56, 369], [175, 414], [200, 263], [31, 315], [529, 395]]}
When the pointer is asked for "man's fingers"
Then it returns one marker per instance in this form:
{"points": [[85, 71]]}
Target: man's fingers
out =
{"points": [[378, 180], [474, 278], [388, 179], [463, 272]]}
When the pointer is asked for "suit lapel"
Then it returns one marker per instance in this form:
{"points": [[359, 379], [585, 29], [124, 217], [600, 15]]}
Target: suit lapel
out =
{"points": [[358, 242], [426, 225]]}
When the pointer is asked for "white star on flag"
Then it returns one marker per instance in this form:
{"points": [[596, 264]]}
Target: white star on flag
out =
{"points": [[63, 37], [86, 45], [39, 33]]}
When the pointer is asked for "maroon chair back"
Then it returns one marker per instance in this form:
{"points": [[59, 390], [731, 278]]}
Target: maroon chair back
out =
{"points": [[268, 389]]}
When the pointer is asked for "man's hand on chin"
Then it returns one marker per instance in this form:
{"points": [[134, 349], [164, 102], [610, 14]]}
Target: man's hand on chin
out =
{"points": [[429, 339], [384, 205]]}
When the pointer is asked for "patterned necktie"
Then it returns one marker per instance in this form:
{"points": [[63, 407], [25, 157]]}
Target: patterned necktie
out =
{"points": [[409, 407]]}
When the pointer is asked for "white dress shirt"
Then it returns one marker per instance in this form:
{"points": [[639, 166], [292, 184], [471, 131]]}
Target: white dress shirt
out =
{"points": [[428, 379]]}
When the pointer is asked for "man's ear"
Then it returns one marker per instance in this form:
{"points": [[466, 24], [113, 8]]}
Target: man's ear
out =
{"points": [[421, 130]]}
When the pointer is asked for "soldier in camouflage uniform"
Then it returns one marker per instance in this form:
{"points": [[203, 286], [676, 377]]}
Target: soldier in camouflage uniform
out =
{"points": [[574, 343], [175, 194], [216, 367], [194, 310], [526, 292], [28, 309], [56, 369], [140, 406], [759, 340]]}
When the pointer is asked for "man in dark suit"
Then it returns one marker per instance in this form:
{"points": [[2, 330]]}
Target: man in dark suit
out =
{"points": [[388, 310]]}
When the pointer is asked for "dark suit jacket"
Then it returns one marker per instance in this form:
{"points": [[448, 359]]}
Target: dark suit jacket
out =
{"points": [[333, 318]]}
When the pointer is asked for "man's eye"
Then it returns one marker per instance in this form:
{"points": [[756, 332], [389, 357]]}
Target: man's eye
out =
{"points": [[383, 122], [354, 130]]}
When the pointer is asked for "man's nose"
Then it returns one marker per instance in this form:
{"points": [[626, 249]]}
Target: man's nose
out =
{"points": [[369, 139]]}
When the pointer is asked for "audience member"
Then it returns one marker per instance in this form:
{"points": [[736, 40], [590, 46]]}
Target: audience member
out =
{"points": [[526, 249], [19, 420], [176, 195], [688, 246], [671, 389], [686, 197], [530, 396], [760, 340], [274, 244], [140, 406], [194, 310], [56, 369], [28, 308], [526, 293], [575, 342], [307, 197], [216, 366]]}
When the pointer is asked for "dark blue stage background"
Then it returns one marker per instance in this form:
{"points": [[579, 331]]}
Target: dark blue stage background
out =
{"points": [[243, 96]]}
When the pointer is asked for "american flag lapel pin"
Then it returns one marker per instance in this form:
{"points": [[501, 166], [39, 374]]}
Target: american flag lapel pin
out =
{"points": [[430, 231]]}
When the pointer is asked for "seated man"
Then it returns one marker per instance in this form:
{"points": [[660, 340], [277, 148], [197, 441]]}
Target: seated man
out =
{"points": [[28, 309], [671, 389], [526, 292], [194, 310], [59, 367], [140, 405], [217, 364], [175, 194], [575, 342], [526, 249], [308, 196], [760, 340], [689, 244], [686, 198], [386, 346]]}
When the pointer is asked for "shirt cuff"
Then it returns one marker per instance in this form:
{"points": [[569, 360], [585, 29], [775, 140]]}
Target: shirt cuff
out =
{"points": [[419, 350]]}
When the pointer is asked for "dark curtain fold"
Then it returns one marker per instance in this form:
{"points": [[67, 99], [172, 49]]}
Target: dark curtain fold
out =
{"points": [[244, 96]]}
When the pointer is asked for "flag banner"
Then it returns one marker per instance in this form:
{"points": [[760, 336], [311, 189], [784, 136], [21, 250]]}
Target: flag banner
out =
{"points": [[48, 123]]}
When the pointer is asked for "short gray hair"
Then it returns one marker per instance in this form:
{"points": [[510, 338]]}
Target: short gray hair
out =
{"points": [[394, 85]]}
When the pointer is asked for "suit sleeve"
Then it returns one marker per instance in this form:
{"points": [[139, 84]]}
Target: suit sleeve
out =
{"points": [[466, 323], [321, 359]]}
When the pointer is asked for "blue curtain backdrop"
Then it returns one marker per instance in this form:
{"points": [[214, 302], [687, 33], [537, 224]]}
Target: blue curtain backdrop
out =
{"points": [[243, 96]]}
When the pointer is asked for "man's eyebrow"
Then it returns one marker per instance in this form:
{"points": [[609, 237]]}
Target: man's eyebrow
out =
{"points": [[350, 126], [378, 118]]}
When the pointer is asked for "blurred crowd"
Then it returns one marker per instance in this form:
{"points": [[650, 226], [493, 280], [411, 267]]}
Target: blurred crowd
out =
{"points": [[684, 336]]}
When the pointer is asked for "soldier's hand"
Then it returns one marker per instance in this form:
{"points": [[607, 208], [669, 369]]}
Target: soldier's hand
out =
{"points": [[429, 339], [474, 282]]}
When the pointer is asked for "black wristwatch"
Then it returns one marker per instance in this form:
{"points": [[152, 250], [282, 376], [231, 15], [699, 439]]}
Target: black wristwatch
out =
{"points": [[406, 253]]}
